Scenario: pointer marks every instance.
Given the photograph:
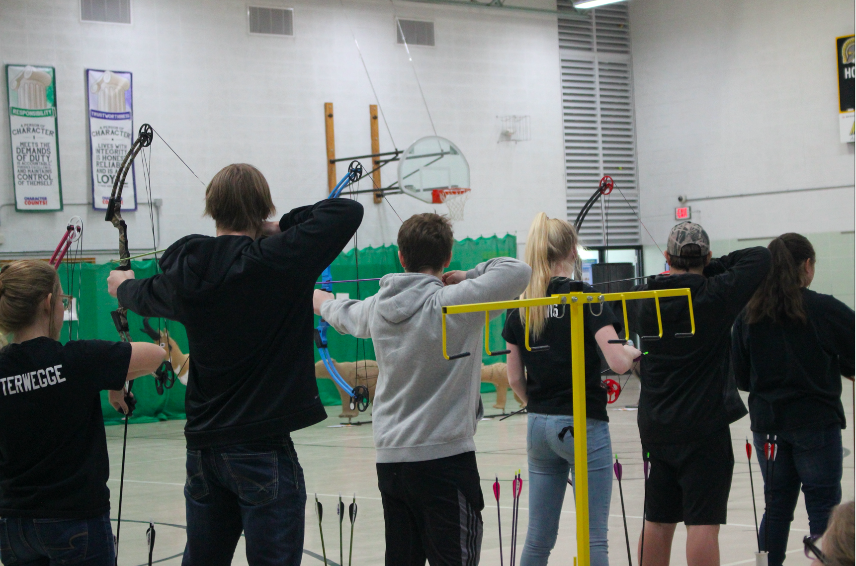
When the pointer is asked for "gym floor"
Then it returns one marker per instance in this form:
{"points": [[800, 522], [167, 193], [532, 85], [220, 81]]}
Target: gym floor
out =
{"points": [[342, 460]]}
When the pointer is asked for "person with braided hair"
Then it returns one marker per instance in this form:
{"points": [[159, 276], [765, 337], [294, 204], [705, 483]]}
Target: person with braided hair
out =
{"points": [[54, 500], [790, 349]]}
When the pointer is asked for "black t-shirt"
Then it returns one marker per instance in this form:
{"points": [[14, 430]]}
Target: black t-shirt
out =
{"points": [[53, 450], [688, 389], [793, 370], [548, 374]]}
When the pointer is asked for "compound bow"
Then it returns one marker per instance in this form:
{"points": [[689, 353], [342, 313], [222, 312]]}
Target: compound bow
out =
{"points": [[358, 394]]}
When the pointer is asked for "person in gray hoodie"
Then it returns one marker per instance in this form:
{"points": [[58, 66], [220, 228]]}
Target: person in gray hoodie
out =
{"points": [[426, 408]]}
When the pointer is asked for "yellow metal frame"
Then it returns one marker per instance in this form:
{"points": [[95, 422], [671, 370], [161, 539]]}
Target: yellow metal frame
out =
{"points": [[575, 302]]}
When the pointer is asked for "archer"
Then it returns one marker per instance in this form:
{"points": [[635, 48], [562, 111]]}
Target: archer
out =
{"points": [[245, 298]]}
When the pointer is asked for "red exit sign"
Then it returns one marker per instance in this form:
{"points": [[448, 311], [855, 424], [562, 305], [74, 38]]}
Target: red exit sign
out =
{"points": [[683, 213]]}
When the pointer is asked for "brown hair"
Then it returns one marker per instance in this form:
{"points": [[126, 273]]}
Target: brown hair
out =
{"points": [[683, 262], [238, 199], [839, 535], [425, 242], [24, 285], [550, 241], [779, 298]]}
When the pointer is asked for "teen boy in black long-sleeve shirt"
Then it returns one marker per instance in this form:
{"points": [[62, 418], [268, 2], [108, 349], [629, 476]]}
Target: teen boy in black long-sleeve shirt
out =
{"points": [[245, 298], [688, 395]]}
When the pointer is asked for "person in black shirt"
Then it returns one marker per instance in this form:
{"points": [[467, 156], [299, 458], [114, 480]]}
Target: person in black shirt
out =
{"points": [[688, 397], [546, 389], [245, 298], [54, 500], [790, 348]]}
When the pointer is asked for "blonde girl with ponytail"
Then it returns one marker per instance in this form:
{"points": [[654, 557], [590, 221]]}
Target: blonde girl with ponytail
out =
{"points": [[54, 501], [543, 380]]}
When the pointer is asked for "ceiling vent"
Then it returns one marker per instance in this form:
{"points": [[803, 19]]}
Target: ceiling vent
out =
{"points": [[271, 21], [110, 11], [415, 32]]}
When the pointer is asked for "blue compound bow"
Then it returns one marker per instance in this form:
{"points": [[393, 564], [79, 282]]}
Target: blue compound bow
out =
{"points": [[359, 394]]}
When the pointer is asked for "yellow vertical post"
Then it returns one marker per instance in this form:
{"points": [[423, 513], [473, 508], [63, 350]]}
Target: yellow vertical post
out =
{"points": [[378, 197], [331, 146], [580, 444]]}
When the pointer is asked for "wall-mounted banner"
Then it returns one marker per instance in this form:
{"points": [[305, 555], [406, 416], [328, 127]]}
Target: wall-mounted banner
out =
{"points": [[33, 126], [111, 132], [846, 48]]}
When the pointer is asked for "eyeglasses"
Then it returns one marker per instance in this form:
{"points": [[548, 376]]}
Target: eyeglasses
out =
{"points": [[812, 551], [66, 302]]}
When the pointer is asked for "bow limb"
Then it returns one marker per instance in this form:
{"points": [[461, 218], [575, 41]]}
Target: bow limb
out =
{"points": [[114, 216], [359, 395]]}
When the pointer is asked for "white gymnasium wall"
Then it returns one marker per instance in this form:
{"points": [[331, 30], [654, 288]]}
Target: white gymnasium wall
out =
{"points": [[739, 96], [219, 95]]}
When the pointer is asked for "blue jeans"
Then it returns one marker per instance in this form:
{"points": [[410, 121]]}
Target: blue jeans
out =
{"points": [[809, 457], [550, 460], [49, 542], [256, 488]]}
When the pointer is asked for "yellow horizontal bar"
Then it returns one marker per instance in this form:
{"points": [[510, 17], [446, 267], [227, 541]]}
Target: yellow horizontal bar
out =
{"points": [[586, 298]]}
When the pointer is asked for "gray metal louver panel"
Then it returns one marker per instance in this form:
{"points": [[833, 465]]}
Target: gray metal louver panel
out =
{"points": [[112, 11], [415, 32], [271, 21], [599, 136]]}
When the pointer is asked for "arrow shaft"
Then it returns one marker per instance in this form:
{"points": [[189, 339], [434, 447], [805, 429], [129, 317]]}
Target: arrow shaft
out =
{"points": [[624, 516]]}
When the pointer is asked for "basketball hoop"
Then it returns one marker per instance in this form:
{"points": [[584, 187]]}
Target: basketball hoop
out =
{"points": [[455, 199]]}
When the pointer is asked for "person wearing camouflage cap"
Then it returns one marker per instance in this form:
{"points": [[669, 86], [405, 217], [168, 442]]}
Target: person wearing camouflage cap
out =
{"points": [[688, 396]]}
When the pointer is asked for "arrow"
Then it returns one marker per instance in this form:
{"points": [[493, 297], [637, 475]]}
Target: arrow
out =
{"points": [[498, 516], [150, 539], [646, 467], [752, 486], [319, 510], [340, 511], [618, 473], [770, 457], [516, 489], [352, 513]]}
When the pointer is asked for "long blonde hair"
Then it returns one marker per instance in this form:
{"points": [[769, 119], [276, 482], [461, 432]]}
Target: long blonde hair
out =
{"points": [[550, 241]]}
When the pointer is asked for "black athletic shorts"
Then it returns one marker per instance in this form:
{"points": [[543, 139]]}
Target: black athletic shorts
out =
{"points": [[432, 510], [690, 482]]}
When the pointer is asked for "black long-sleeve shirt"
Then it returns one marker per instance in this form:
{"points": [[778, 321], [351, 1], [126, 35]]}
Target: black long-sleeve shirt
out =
{"points": [[247, 308], [688, 389], [793, 371]]}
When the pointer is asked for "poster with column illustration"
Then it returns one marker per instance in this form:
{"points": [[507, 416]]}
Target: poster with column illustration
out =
{"points": [[31, 92], [109, 96]]}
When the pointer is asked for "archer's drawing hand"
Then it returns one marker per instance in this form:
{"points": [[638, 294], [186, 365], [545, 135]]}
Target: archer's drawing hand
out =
{"points": [[116, 278], [319, 298], [453, 277], [270, 228], [119, 401], [632, 353]]}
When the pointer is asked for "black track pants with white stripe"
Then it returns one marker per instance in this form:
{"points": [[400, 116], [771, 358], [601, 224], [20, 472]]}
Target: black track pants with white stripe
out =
{"points": [[432, 510]]}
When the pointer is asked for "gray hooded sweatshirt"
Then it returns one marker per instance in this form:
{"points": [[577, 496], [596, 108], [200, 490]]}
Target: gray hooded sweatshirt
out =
{"points": [[426, 407]]}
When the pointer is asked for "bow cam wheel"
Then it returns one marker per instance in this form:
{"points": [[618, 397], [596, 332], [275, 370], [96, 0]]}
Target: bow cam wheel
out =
{"points": [[355, 171], [360, 400], [606, 185], [613, 390], [146, 135]]}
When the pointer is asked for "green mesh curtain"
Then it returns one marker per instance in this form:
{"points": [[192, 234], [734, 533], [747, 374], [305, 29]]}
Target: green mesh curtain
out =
{"points": [[94, 306]]}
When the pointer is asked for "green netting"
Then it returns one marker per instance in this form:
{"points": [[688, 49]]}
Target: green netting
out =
{"points": [[94, 306]]}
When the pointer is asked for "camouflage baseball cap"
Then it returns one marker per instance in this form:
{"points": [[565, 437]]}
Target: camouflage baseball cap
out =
{"points": [[688, 239]]}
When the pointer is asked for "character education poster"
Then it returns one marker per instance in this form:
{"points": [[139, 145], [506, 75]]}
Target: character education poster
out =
{"points": [[846, 71], [33, 127], [111, 131]]}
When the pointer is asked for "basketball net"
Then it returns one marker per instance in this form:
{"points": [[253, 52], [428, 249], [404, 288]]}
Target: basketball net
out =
{"points": [[455, 200]]}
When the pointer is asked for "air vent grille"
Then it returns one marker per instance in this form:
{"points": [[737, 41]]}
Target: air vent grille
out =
{"points": [[597, 102], [415, 32], [271, 21], [112, 11]]}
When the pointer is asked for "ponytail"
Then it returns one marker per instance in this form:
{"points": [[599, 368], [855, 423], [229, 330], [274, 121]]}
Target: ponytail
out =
{"points": [[24, 285], [550, 241], [779, 298]]}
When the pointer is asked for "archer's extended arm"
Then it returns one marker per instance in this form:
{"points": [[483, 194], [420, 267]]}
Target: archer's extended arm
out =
{"points": [[350, 316], [152, 297], [498, 279]]}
